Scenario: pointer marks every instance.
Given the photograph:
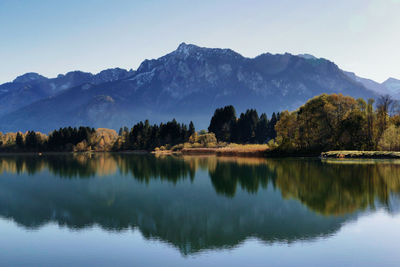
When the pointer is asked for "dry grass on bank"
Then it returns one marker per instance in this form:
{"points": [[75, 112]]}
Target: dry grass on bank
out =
{"points": [[207, 144], [229, 150]]}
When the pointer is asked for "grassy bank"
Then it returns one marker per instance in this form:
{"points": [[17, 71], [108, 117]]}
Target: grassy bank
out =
{"points": [[361, 154], [226, 150]]}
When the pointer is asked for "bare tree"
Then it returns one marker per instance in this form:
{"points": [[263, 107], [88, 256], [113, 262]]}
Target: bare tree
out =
{"points": [[386, 104]]}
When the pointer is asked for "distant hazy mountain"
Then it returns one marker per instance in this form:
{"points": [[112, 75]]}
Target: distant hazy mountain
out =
{"points": [[379, 88], [31, 87], [393, 86], [187, 84]]}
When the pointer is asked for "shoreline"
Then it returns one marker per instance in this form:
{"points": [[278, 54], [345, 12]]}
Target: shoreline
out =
{"points": [[354, 154], [217, 151], [233, 152]]}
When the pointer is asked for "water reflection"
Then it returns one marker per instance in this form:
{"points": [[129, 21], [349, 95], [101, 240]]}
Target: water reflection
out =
{"points": [[194, 203]]}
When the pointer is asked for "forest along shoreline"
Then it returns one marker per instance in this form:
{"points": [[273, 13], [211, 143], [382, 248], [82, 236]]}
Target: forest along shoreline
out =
{"points": [[229, 152], [329, 126]]}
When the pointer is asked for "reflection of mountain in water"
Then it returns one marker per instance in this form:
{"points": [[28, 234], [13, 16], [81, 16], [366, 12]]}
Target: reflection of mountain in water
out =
{"points": [[174, 199]]}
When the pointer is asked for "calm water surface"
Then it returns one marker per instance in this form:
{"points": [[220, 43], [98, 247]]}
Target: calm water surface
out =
{"points": [[140, 210]]}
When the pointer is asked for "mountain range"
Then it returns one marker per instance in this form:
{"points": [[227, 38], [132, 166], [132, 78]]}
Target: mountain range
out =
{"points": [[389, 87], [187, 84]]}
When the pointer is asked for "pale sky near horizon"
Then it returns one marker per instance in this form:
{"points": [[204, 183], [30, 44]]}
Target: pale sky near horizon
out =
{"points": [[52, 36]]}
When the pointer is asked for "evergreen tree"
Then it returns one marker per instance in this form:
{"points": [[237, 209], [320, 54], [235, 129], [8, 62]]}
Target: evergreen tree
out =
{"points": [[222, 123], [144, 136], [262, 129], [246, 127], [192, 130], [31, 141], [19, 141], [271, 126], [63, 138]]}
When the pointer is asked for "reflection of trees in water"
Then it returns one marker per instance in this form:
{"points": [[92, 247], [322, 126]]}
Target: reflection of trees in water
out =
{"points": [[330, 189], [326, 188], [190, 215], [227, 175], [64, 165], [140, 167], [147, 167], [20, 164], [337, 188]]}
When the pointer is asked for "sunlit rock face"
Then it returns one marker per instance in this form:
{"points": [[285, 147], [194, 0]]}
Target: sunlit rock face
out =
{"points": [[188, 84]]}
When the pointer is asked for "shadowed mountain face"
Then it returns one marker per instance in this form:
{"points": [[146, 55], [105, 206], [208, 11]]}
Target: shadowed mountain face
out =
{"points": [[31, 87], [195, 203], [188, 84]]}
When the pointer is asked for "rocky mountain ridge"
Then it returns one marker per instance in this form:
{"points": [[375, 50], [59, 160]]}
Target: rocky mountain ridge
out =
{"points": [[187, 84]]}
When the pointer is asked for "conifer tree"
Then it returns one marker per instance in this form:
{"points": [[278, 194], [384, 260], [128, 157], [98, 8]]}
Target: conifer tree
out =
{"points": [[19, 141], [222, 123]]}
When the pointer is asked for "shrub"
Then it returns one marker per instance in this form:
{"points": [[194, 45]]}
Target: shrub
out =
{"points": [[390, 139], [177, 147], [204, 139], [81, 146]]}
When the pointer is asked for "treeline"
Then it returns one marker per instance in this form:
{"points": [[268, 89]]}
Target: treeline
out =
{"points": [[143, 136], [62, 140], [325, 122], [337, 122], [249, 128]]}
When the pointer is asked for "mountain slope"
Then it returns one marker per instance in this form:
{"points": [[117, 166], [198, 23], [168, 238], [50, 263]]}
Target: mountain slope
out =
{"points": [[32, 87], [393, 86], [189, 84], [378, 88], [389, 87]]}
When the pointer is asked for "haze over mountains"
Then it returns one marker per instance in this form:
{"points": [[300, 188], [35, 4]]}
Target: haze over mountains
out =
{"points": [[391, 86], [187, 84]]}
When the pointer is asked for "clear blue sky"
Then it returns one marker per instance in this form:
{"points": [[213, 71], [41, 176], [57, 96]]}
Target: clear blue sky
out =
{"points": [[51, 36]]}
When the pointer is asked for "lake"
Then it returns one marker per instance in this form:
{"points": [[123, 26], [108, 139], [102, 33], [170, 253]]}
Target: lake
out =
{"points": [[142, 210]]}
